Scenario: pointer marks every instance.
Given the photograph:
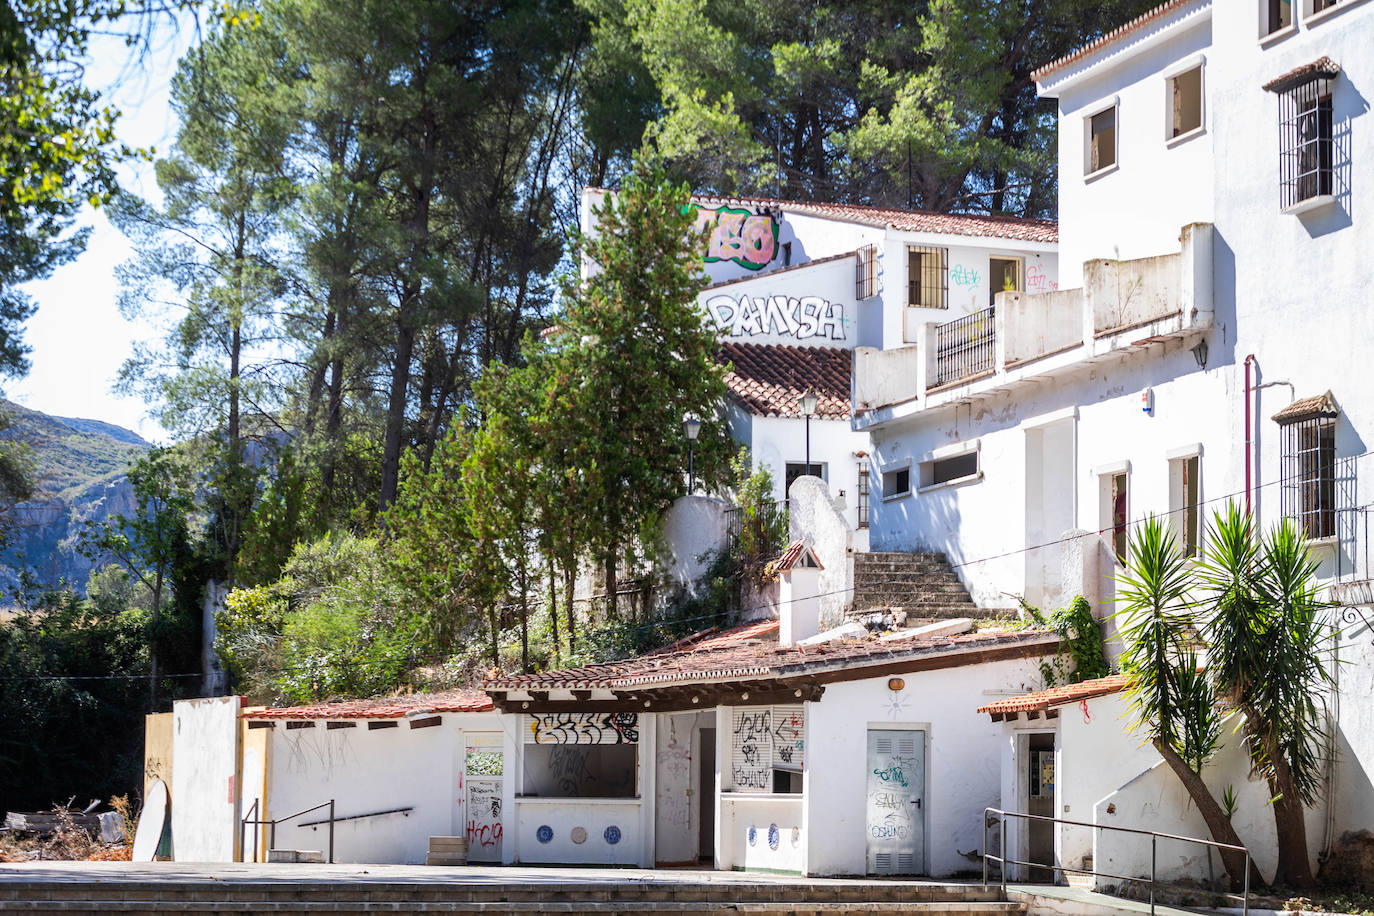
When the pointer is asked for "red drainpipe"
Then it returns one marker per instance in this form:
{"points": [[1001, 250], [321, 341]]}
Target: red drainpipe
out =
{"points": [[1249, 360]]}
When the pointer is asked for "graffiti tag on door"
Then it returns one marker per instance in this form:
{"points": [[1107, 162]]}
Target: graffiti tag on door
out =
{"points": [[484, 815]]}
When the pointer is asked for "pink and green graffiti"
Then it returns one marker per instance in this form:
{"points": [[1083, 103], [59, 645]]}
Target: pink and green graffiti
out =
{"points": [[748, 239]]}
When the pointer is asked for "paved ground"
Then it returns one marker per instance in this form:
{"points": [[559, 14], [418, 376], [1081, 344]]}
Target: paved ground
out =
{"points": [[419, 874]]}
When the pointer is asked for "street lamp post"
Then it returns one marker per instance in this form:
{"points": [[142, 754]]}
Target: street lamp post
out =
{"points": [[808, 407], [692, 427]]}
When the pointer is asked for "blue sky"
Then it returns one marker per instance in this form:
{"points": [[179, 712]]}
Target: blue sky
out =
{"points": [[78, 337]]}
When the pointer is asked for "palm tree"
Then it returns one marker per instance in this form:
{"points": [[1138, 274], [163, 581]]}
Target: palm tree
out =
{"points": [[1173, 703], [1265, 633]]}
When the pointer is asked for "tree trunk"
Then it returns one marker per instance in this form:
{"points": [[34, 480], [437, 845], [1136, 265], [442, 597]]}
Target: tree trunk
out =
{"points": [[569, 584], [553, 608], [396, 408], [1213, 814], [612, 586], [524, 616], [1293, 868], [152, 643], [493, 618]]}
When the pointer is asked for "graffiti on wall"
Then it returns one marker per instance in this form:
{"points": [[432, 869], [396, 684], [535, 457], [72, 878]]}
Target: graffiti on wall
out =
{"points": [[1037, 281], [484, 815], [748, 239], [584, 728], [960, 275], [753, 743], [788, 742], [785, 316]]}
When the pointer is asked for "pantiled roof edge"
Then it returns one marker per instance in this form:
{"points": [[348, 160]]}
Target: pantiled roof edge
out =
{"points": [[1110, 38]]}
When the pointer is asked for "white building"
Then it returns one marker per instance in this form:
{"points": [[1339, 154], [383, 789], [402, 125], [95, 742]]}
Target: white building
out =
{"points": [[1204, 345], [796, 287]]}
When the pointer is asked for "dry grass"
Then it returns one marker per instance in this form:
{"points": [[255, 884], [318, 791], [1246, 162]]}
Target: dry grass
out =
{"points": [[68, 842]]}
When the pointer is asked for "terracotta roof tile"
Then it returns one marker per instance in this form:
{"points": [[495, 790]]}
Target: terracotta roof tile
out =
{"points": [[793, 555], [1042, 700], [1115, 34], [980, 225], [1323, 405], [768, 379], [733, 656], [1322, 66], [382, 707]]}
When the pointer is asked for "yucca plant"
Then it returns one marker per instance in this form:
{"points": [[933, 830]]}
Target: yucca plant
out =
{"points": [[1265, 634], [1173, 703]]}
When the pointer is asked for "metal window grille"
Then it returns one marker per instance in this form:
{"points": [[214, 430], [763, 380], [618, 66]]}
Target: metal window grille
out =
{"points": [[965, 346], [864, 487], [1305, 142], [866, 272], [1307, 472], [927, 277]]}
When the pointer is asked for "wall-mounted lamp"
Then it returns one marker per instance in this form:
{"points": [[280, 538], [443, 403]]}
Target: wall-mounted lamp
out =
{"points": [[895, 683], [691, 426], [1200, 354]]}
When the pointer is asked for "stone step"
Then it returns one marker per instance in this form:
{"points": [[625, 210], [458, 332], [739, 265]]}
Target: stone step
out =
{"points": [[899, 556], [148, 908], [449, 893], [933, 588], [913, 596]]}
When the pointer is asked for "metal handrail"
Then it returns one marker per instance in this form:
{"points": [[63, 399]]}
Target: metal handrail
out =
{"points": [[355, 817], [1154, 836], [273, 822]]}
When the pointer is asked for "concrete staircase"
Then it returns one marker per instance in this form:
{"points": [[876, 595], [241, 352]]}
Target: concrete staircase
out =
{"points": [[461, 894], [922, 585]]}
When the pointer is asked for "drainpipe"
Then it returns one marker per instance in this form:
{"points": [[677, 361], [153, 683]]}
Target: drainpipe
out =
{"points": [[1249, 360]]}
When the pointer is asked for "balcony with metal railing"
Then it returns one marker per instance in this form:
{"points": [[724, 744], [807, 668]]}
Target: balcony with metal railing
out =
{"points": [[1025, 338]]}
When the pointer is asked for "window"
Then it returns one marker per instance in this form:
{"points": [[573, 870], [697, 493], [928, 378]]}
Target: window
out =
{"points": [[1101, 145], [795, 469], [863, 496], [1185, 102], [1115, 504], [1317, 6], [897, 482], [866, 272], [766, 748], [786, 254], [1275, 15], [948, 469], [1307, 456], [581, 755], [1184, 494], [581, 771], [1305, 142], [927, 277], [1003, 274]]}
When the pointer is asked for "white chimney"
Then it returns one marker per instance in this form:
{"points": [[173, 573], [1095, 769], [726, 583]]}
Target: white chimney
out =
{"points": [[799, 593]]}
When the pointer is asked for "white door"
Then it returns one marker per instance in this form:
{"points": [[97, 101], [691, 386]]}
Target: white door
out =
{"points": [[896, 802], [675, 826], [483, 773]]}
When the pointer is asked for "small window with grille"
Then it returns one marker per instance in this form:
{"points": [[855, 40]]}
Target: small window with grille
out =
{"points": [[927, 277], [866, 272], [1306, 148], [1307, 465], [864, 487]]}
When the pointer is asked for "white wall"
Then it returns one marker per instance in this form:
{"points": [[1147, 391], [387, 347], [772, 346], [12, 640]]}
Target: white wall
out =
{"points": [[1158, 186], [205, 793], [367, 770], [813, 516], [693, 529], [810, 305], [774, 442], [963, 769]]}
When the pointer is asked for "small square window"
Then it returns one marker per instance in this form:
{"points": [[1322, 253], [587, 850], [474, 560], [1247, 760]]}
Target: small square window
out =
{"points": [[1101, 141], [896, 482], [1185, 102], [795, 469]]}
